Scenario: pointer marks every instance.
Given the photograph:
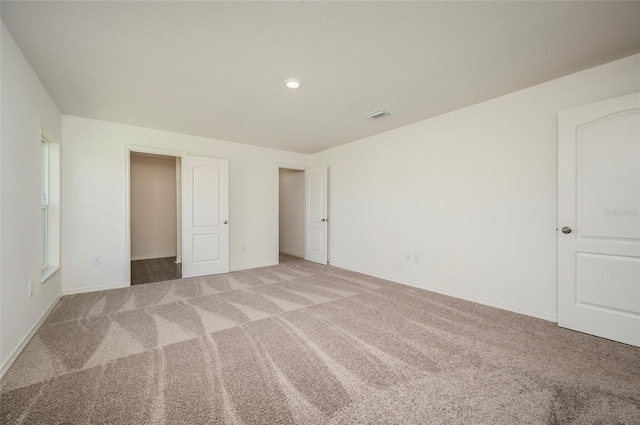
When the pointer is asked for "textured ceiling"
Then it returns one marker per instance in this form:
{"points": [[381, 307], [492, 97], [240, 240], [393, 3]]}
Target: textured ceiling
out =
{"points": [[216, 69]]}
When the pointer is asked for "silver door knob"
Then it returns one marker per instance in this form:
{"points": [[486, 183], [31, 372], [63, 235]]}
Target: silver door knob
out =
{"points": [[566, 230], [225, 222], [323, 220]]}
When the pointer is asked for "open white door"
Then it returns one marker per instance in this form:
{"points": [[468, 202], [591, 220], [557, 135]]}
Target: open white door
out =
{"points": [[315, 214], [205, 215], [599, 219]]}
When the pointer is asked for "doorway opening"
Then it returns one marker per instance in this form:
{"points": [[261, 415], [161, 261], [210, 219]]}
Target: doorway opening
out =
{"points": [[291, 217], [155, 217]]}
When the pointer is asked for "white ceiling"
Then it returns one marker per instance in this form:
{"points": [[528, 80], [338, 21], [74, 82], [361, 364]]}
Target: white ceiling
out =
{"points": [[216, 69]]}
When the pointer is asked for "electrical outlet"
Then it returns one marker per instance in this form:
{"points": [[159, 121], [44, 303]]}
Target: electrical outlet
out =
{"points": [[333, 244], [244, 247], [408, 257], [97, 260], [31, 288], [415, 258]]}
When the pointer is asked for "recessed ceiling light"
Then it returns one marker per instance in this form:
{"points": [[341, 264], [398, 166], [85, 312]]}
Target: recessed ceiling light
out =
{"points": [[292, 83]]}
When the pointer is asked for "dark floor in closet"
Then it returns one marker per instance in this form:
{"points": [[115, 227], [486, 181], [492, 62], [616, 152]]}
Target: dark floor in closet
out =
{"points": [[155, 270]]}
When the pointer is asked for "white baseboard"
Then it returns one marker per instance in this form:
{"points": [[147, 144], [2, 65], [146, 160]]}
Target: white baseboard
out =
{"points": [[4, 367], [94, 288], [152, 256], [528, 312], [253, 266], [295, 254]]}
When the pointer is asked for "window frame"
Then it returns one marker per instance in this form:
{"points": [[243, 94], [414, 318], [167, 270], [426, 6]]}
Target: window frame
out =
{"points": [[44, 204]]}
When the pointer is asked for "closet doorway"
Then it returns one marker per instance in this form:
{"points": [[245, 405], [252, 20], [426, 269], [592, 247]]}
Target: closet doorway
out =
{"points": [[291, 208], [155, 217]]}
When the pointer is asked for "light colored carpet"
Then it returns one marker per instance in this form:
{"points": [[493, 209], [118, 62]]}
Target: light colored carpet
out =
{"points": [[309, 344]]}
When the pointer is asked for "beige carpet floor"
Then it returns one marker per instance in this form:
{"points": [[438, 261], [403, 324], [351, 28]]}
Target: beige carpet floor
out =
{"points": [[309, 344]]}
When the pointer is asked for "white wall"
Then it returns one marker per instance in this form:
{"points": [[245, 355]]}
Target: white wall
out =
{"points": [[26, 109], [292, 212], [93, 181], [472, 193], [153, 206]]}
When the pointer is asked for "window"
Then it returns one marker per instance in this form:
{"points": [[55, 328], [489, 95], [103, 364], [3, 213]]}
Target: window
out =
{"points": [[49, 207], [44, 204]]}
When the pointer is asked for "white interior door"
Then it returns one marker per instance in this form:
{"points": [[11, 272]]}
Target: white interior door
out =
{"points": [[205, 215], [315, 214], [599, 219]]}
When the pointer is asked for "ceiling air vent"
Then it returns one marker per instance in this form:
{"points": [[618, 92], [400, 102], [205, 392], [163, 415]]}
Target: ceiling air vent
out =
{"points": [[376, 115]]}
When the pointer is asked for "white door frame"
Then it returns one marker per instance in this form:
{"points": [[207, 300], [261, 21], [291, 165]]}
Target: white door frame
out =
{"points": [[278, 167], [127, 198]]}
